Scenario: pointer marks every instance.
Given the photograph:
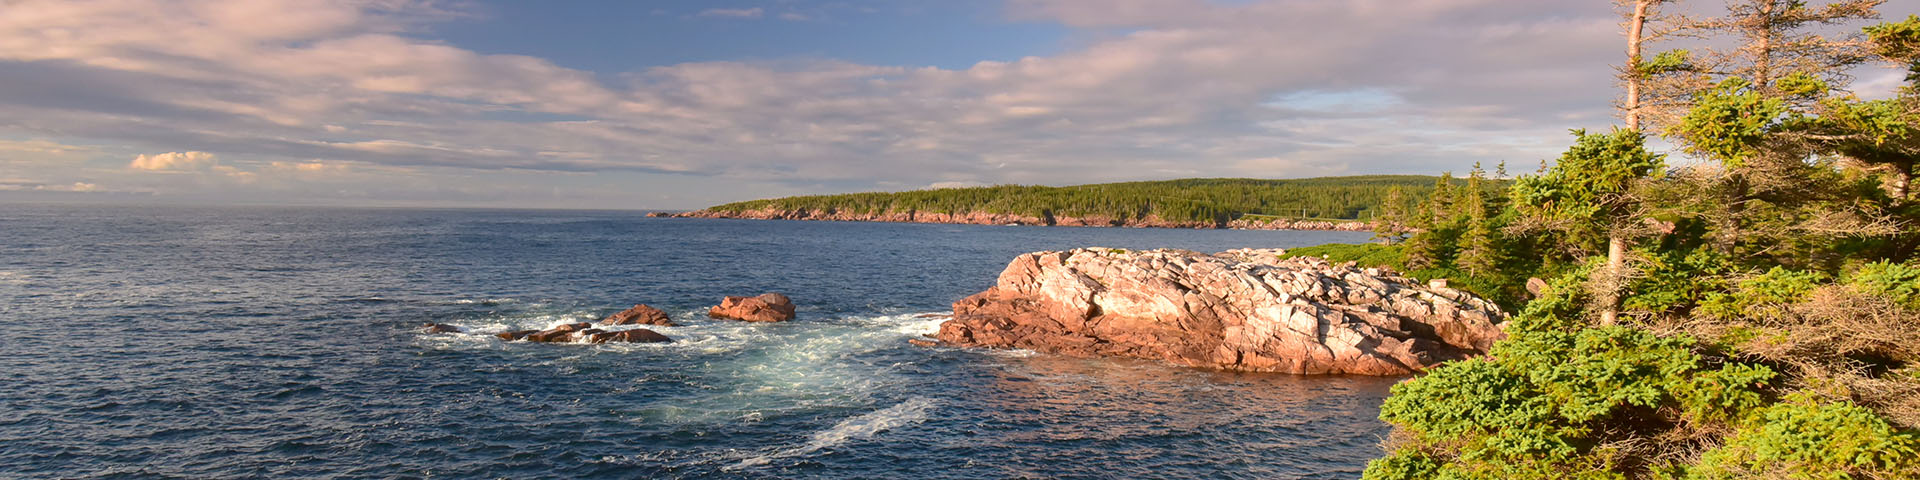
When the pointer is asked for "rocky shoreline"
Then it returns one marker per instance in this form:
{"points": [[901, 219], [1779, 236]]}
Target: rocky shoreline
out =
{"points": [[986, 218], [1244, 310]]}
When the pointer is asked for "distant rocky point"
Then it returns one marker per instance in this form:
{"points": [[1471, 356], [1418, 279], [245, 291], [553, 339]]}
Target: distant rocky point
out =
{"points": [[1246, 310]]}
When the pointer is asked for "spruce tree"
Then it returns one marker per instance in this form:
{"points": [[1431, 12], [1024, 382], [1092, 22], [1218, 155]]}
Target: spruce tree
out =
{"points": [[1480, 249]]}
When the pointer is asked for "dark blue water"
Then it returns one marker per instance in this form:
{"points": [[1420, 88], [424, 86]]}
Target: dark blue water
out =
{"points": [[147, 342]]}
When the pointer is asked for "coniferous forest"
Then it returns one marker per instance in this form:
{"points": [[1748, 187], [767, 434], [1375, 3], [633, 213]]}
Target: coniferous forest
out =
{"points": [[1204, 199]]}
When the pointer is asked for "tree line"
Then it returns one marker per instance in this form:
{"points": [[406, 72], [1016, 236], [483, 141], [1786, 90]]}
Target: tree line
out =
{"points": [[1215, 200]]}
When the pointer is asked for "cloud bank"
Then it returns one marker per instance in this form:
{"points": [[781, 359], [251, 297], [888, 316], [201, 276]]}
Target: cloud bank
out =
{"points": [[1150, 89]]}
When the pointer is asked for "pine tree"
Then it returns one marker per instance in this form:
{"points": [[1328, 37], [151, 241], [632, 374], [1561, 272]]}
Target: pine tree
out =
{"points": [[1433, 246], [1763, 124], [1480, 253], [1389, 225]]}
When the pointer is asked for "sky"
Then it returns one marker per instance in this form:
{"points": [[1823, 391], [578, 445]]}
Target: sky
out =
{"points": [[685, 104]]}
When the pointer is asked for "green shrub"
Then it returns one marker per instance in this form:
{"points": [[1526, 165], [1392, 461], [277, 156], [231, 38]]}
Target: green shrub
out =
{"points": [[1543, 403], [1804, 437], [1897, 282], [1403, 464], [1363, 254], [1722, 394], [1562, 306], [1761, 295], [1674, 281]]}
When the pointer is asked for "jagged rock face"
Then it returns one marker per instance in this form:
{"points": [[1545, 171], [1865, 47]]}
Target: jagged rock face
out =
{"points": [[1238, 310], [769, 307]]}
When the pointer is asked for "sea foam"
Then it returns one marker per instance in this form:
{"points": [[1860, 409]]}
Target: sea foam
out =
{"points": [[913, 410]]}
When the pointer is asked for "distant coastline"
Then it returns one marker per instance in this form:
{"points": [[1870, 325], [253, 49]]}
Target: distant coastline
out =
{"points": [[1325, 203], [989, 218]]}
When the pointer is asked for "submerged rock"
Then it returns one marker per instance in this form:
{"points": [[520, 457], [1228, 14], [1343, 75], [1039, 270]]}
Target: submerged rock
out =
{"points": [[563, 333], [574, 332], [1242, 310], [771, 307], [431, 327], [641, 314]]}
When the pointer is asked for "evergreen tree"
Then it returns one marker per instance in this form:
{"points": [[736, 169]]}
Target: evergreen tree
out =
{"points": [[1480, 249], [1769, 123], [1433, 247], [1389, 225]]}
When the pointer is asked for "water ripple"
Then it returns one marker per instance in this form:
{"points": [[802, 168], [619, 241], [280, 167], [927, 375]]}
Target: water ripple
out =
{"points": [[279, 342]]}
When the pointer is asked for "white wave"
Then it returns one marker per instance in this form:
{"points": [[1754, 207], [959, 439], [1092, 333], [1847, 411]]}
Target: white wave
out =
{"points": [[765, 371], [486, 301], [794, 350], [752, 371], [1008, 352], [921, 325], [912, 411]]}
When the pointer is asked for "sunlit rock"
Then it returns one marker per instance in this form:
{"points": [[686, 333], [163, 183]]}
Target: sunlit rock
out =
{"points": [[771, 307], [1238, 310], [641, 314]]}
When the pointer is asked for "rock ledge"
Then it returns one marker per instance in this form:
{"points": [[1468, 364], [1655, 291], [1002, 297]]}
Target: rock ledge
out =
{"points": [[1244, 310]]}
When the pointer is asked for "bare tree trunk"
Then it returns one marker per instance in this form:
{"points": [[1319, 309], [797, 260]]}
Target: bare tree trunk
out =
{"points": [[1762, 37], [1616, 256], [1635, 26], [1902, 181], [1617, 244]]}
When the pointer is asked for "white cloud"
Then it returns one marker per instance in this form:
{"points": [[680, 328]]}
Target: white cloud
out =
{"points": [[174, 161], [39, 146], [954, 184], [314, 167], [755, 12], [73, 187]]}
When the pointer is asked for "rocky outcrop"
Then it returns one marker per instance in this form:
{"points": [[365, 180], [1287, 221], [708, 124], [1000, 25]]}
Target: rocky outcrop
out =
{"points": [[576, 332], [641, 314], [563, 333], [989, 218], [770, 307], [1243, 310]]}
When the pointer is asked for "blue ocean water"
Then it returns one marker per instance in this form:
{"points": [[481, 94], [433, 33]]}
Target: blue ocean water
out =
{"points": [[173, 342]]}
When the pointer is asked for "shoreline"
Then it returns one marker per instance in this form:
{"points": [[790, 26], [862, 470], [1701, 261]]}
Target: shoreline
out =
{"points": [[985, 218]]}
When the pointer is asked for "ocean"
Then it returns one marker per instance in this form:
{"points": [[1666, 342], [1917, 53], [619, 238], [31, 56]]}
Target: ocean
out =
{"points": [[248, 342]]}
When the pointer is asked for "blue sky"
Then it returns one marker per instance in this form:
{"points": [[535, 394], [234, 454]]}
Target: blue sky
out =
{"points": [[625, 36], [684, 104]]}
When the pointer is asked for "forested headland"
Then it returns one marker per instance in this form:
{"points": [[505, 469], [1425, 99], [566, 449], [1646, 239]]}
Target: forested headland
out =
{"points": [[1747, 306], [1189, 202]]}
